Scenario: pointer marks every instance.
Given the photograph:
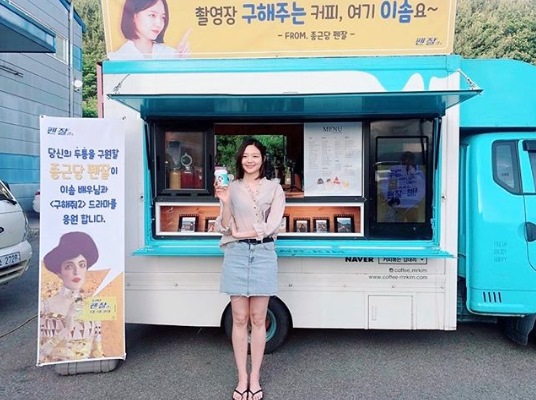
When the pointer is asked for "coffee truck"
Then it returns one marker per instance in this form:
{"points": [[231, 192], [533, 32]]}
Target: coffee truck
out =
{"points": [[409, 184]]}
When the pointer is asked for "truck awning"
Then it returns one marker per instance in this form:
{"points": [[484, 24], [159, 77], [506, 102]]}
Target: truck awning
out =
{"points": [[311, 106], [22, 34]]}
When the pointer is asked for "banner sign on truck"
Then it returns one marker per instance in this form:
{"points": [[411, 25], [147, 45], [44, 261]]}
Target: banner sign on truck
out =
{"points": [[82, 250], [149, 29]]}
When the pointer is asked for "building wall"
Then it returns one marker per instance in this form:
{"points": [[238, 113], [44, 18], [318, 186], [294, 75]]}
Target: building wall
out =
{"points": [[34, 84]]}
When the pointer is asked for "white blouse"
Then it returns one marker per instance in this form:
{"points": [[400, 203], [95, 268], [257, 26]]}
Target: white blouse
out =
{"points": [[260, 210], [129, 51]]}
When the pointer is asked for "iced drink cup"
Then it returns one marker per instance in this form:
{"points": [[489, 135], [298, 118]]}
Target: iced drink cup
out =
{"points": [[221, 177]]}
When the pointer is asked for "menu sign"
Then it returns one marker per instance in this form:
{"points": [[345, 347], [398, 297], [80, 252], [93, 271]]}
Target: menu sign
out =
{"points": [[333, 159]]}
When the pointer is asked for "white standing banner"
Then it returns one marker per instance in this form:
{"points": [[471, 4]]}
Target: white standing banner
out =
{"points": [[82, 240], [333, 159]]}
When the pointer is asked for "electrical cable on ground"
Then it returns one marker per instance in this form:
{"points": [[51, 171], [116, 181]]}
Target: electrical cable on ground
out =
{"points": [[3, 335]]}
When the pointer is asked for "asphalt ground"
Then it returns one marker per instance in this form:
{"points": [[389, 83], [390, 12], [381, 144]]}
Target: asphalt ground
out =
{"points": [[187, 363]]}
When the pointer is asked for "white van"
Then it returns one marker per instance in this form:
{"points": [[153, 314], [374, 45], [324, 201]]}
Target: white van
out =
{"points": [[15, 250]]}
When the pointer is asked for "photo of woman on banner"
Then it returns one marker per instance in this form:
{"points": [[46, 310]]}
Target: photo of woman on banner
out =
{"points": [[144, 24], [63, 333], [403, 190]]}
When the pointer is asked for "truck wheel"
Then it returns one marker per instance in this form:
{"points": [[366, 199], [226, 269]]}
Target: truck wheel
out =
{"points": [[278, 324], [519, 329]]}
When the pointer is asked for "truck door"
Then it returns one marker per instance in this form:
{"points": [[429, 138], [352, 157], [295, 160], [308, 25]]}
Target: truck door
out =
{"points": [[528, 168], [499, 202]]}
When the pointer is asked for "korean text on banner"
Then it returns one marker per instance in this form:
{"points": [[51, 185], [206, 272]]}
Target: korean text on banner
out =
{"points": [[81, 281], [142, 29]]}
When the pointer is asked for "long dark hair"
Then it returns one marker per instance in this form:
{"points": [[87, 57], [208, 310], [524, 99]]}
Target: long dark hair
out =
{"points": [[131, 8], [250, 142]]}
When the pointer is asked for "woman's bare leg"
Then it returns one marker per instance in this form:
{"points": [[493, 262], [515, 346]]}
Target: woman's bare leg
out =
{"points": [[258, 307], [240, 310]]}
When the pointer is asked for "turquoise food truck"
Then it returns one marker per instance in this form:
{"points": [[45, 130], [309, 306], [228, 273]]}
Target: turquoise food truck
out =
{"points": [[409, 183]]}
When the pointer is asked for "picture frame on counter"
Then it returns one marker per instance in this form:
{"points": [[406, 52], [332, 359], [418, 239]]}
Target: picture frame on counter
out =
{"points": [[210, 224], [321, 225], [283, 227], [344, 224], [188, 223], [302, 225]]}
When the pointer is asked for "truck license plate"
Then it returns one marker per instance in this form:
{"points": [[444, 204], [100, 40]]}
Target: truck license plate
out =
{"points": [[9, 259]]}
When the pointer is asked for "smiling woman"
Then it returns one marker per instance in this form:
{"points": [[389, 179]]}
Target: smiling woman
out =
{"points": [[144, 24], [251, 209]]}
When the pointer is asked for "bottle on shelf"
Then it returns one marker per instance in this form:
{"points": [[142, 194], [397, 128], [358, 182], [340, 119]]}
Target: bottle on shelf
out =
{"points": [[288, 176], [187, 176], [175, 178]]}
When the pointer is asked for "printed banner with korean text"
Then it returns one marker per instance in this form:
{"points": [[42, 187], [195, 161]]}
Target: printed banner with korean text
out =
{"points": [[148, 29], [81, 241]]}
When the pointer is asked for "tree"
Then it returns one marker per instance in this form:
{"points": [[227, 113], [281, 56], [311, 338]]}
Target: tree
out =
{"points": [[226, 146], [496, 29], [94, 51]]}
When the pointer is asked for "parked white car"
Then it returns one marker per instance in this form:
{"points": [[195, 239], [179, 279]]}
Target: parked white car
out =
{"points": [[36, 204], [15, 250]]}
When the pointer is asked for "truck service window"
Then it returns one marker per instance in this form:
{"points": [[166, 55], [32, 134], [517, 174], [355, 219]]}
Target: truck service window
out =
{"points": [[400, 177], [184, 160], [179, 157], [284, 147]]}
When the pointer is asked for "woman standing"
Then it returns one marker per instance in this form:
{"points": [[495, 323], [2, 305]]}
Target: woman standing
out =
{"points": [[144, 24], [251, 210]]}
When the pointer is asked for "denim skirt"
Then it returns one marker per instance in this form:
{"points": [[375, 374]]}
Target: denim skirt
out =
{"points": [[249, 269]]}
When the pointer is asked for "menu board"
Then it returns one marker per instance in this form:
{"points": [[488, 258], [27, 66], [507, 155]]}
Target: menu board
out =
{"points": [[333, 159]]}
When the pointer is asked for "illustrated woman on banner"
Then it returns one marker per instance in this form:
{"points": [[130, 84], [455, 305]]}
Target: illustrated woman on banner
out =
{"points": [[144, 24], [63, 334]]}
